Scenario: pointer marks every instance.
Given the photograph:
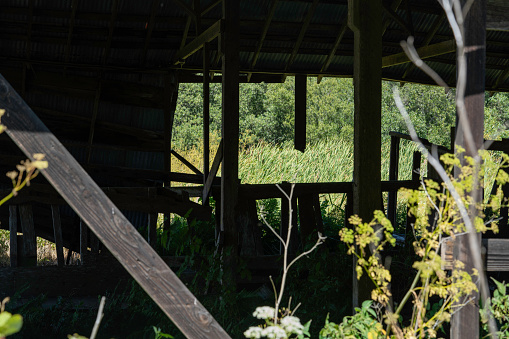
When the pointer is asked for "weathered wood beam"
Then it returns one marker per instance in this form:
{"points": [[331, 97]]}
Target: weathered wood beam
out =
{"points": [[57, 233], [393, 175], [230, 130], [186, 32], [213, 171], [333, 51], [300, 112], [208, 35], [496, 257], [150, 28], [394, 7], [365, 20], [72, 21], [186, 162], [465, 322], [424, 52], [83, 243], [29, 238], [206, 115], [300, 38], [106, 220], [270, 15]]}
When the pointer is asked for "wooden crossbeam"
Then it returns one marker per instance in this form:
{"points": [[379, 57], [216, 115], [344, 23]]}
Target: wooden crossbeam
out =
{"points": [[111, 227], [13, 235], [213, 171], [496, 254], [208, 35], [327, 62], [397, 19], [302, 33], [186, 162], [425, 52], [394, 6], [270, 15]]}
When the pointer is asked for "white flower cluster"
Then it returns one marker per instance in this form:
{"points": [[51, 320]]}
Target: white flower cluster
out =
{"points": [[292, 325], [264, 312], [271, 332]]}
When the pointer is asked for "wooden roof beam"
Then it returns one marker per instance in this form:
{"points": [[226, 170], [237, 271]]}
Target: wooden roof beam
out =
{"points": [[72, 20], [501, 78], [394, 6], [270, 15], [210, 7], [497, 15], [429, 36], [208, 35], [186, 8], [327, 62], [397, 19], [429, 51], [150, 28], [303, 31], [113, 19]]}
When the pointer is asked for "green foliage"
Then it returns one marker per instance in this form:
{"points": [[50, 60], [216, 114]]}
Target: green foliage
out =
{"points": [[363, 324], [10, 323], [499, 309]]}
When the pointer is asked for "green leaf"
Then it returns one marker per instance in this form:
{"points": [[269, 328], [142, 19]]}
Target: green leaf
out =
{"points": [[10, 324]]}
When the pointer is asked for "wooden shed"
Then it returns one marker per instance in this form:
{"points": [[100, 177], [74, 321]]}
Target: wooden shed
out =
{"points": [[102, 78]]}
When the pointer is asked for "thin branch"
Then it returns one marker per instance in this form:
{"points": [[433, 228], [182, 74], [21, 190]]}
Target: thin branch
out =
{"points": [[98, 319]]}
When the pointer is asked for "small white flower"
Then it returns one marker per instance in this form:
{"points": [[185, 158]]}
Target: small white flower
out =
{"points": [[264, 312], [253, 332], [292, 325], [274, 332]]}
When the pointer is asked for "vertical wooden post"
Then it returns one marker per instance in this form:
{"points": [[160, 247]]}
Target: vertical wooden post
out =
{"points": [[152, 229], [365, 20], [465, 322], [83, 242], [29, 238], [230, 125], [57, 233], [206, 116], [393, 175], [300, 112], [13, 235]]}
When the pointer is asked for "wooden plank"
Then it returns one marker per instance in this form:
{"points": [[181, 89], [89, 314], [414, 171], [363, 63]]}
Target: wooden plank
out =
{"points": [[393, 175], [206, 115], [496, 254], [424, 52], [497, 15], [300, 112], [106, 221], [29, 238], [186, 162], [207, 36], [213, 171], [365, 20], [152, 229], [57, 233], [13, 235]]}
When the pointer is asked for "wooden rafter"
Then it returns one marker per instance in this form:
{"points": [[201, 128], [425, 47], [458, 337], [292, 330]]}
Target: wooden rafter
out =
{"points": [[429, 51], [327, 62], [303, 30], [113, 19], [208, 35], [210, 7], [150, 28], [72, 21], [394, 6], [501, 78], [186, 8], [397, 19], [213, 171], [186, 162], [429, 36], [270, 14]]}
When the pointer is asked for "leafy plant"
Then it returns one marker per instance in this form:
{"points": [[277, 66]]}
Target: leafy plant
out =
{"points": [[363, 324], [499, 309]]}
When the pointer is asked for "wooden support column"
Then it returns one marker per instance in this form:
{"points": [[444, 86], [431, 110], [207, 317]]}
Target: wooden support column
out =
{"points": [[29, 238], [392, 202], [206, 116], [13, 235], [300, 112], [230, 126], [83, 242], [465, 322], [57, 233], [365, 20]]}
